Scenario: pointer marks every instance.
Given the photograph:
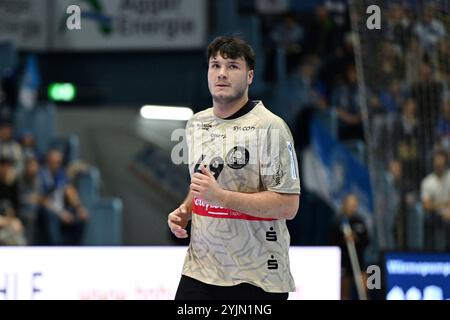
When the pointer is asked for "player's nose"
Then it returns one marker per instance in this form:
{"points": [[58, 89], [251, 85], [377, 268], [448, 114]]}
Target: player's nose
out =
{"points": [[222, 73]]}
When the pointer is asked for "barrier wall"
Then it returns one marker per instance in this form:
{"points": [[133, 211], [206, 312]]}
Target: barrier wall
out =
{"points": [[74, 273]]}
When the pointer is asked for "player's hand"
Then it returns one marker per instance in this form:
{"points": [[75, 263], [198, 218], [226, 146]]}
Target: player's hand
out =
{"points": [[205, 186], [66, 217], [178, 220], [82, 214]]}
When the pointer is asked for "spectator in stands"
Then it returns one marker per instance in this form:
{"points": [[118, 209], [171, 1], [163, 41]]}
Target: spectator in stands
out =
{"points": [[309, 96], [73, 233], [307, 84], [349, 214], [339, 12], [429, 30], [289, 35], [10, 227], [9, 148], [405, 136], [376, 107], [442, 60], [335, 66], [392, 62], [392, 98], [28, 143], [398, 27], [321, 34], [435, 194], [414, 57], [62, 214], [400, 196], [393, 212], [345, 99], [8, 184], [380, 131], [30, 191], [427, 93]]}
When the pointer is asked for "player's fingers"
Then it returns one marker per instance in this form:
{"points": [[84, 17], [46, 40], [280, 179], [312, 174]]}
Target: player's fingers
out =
{"points": [[174, 218], [183, 236], [174, 224], [198, 176], [195, 187], [174, 214], [196, 181], [180, 233], [206, 171]]}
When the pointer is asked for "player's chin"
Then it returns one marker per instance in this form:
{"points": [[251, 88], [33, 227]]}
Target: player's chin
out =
{"points": [[222, 97]]}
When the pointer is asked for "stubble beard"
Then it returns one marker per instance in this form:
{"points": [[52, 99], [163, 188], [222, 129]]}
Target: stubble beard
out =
{"points": [[226, 99]]}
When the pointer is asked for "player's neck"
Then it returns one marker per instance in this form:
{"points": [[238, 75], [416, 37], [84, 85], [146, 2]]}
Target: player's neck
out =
{"points": [[225, 110]]}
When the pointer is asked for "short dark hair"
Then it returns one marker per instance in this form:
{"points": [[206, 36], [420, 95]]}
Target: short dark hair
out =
{"points": [[232, 47]]}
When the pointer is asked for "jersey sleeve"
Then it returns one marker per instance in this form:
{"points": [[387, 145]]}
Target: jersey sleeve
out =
{"points": [[278, 159]]}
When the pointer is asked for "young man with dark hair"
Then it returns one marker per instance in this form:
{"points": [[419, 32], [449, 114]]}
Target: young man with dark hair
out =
{"points": [[244, 185]]}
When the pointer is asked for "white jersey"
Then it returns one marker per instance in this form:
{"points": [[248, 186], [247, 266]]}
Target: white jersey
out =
{"points": [[251, 153]]}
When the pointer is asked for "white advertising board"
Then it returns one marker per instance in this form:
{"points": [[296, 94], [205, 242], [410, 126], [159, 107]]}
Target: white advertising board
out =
{"points": [[137, 273]]}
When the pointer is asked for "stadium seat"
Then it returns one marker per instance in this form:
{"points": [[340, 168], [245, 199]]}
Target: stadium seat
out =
{"points": [[40, 121], [105, 224], [87, 184]]}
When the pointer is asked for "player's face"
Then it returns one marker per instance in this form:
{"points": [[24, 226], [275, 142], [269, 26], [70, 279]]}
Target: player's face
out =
{"points": [[228, 79]]}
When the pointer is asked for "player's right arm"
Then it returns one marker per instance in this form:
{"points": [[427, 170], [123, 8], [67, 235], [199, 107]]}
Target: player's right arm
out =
{"points": [[179, 218]]}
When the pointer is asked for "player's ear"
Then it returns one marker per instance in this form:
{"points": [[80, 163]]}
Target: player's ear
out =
{"points": [[250, 77]]}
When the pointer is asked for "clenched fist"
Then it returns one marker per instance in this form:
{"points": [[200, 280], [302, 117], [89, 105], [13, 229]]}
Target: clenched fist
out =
{"points": [[178, 220]]}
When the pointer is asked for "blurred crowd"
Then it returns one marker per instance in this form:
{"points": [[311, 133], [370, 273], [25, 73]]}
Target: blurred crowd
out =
{"points": [[401, 110], [395, 100], [39, 203]]}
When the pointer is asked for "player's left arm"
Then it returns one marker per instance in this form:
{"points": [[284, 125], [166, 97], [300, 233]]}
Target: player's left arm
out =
{"points": [[264, 204]]}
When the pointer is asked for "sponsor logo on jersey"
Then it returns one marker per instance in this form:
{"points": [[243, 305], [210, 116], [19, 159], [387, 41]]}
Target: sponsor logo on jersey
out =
{"points": [[204, 126], [203, 208], [271, 235], [272, 264], [218, 135], [244, 128]]}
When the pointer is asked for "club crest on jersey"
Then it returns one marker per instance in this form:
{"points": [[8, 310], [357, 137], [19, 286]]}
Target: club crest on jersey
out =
{"points": [[237, 157]]}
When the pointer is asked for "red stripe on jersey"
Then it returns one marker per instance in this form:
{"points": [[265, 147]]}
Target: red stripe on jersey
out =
{"points": [[203, 208]]}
